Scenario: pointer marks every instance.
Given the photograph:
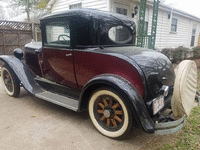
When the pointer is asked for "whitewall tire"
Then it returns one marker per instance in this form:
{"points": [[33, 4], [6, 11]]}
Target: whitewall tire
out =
{"points": [[10, 81], [110, 114]]}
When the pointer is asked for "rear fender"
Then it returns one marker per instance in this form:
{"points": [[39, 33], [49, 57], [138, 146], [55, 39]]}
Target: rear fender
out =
{"points": [[24, 74], [134, 99]]}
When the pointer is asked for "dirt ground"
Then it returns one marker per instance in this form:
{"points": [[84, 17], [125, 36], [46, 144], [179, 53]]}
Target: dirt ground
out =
{"points": [[29, 123]]}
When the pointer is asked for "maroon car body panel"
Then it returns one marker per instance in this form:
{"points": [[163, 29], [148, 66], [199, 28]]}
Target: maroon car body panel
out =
{"points": [[59, 66], [89, 64]]}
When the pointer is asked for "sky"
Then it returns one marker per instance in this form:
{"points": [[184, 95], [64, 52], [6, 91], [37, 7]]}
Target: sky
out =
{"points": [[190, 6], [8, 11]]}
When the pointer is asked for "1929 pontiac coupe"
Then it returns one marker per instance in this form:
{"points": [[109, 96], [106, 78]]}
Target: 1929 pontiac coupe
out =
{"points": [[87, 60]]}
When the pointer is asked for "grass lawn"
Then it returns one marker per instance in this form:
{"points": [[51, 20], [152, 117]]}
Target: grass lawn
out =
{"points": [[186, 139], [189, 136]]}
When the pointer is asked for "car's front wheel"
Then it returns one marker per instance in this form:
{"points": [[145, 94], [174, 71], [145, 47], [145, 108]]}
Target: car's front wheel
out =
{"points": [[110, 113], [10, 81]]}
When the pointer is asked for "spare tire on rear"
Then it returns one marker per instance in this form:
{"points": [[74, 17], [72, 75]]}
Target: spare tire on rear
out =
{"points": [[184, 88]]}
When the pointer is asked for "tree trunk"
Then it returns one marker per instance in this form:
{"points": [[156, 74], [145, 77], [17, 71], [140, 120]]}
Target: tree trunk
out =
{"points": [[28, 11], [28, 15]]}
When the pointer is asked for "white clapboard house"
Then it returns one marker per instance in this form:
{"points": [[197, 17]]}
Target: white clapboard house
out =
{"points": [[174, 27]]}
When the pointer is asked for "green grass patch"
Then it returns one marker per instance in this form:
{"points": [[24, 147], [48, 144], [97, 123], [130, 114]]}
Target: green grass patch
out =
{"points": [[189, 137]]}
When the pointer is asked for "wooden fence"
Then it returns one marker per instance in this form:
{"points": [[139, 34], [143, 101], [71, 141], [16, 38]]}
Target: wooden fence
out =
{"points": [[16, 35]]}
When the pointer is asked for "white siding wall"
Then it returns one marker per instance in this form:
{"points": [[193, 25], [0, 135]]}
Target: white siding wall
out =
{"points": [[106, 5], [164, 39], [61, 5], [167, 39]]}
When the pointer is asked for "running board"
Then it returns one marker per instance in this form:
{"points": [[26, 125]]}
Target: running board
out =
{"points": [[59, 100], [56, 88]]}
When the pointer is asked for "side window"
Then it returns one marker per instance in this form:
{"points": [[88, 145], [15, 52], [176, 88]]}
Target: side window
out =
{"points": [[58, 34], [174, 25]]}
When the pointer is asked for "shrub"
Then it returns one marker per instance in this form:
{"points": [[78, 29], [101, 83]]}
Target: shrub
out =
{"points": [[168, 52], [196, 52], [180, 53]]}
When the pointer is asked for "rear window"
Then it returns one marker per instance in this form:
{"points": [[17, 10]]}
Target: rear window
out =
{"points": [[120, 34]]}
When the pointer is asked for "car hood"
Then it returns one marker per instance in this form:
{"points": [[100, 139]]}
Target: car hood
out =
{"points": [[157, 68]]}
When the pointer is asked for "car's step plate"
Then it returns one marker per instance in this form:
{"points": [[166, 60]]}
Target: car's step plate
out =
{"points": [[59, 100]]}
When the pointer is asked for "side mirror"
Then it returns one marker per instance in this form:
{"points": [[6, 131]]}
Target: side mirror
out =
{"points": [[18, 53], [37, 51]]}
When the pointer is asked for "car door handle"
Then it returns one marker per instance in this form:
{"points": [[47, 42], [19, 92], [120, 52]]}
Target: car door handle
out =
{"points": [[37, 51], [69, 54]]}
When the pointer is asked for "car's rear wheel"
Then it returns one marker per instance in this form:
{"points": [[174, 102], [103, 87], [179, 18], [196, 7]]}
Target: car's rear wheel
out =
{"points": [[110, 114], [10, 81]]}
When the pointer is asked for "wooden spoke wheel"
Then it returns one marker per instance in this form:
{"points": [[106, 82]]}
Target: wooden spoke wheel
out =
{"points": [[10, 81], [109, 113]]}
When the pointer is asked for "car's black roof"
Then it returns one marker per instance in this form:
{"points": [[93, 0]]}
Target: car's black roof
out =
{"points": [[89, 14]]}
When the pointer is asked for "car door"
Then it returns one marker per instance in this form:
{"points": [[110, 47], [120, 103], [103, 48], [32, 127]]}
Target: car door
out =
{"points": [[57, 54]]}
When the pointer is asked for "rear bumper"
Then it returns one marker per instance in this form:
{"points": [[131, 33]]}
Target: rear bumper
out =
{"points": [[169, 127], [166, 124]]}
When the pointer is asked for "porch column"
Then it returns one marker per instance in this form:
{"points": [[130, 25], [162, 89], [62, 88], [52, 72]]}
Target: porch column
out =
{"points": [[140, 37]]}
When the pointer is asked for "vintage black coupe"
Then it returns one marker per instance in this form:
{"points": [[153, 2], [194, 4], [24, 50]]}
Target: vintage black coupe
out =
{"points": [[88, 60]]}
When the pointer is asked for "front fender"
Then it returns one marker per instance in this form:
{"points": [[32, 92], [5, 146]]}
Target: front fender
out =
{"points": [[135, 100], [24, 74]]}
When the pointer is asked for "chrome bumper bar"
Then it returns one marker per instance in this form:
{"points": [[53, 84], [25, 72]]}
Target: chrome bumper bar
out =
{"points": [[169, 127]]}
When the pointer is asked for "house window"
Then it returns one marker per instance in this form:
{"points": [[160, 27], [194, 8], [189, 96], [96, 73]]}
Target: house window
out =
{"points": [[193, 35], [122, 11], [174, 25], [74, 6]]}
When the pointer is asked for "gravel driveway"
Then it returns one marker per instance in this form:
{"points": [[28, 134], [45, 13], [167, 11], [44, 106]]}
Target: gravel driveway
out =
{"points": [[30, 123]]}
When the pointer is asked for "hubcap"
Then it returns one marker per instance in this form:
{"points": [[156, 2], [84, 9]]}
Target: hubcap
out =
{"points": [[106, 113]]}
